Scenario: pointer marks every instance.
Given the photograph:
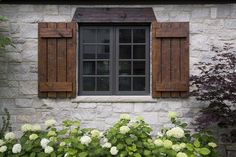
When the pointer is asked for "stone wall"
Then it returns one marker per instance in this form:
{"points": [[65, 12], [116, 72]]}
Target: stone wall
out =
{"points": [[209, 24]]}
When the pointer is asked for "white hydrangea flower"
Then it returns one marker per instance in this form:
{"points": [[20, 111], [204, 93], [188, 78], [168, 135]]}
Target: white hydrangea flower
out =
{"points": [[51, 133], [66, 155], [16, 148], [106, 145], [85, 140], [181, 154], [172, 114], [158, 142], [159, 134], [36, 127], [26, 127], [50, 123], [44, 142], [176, 132], [33, 137], [96, 133], [182, 145], [3, 149], [176, 147], [139, 118], [212, 144], [48, 150], [124, 129], [113, 150], [10, 136], [125, 116], [1, 142], [167, 143]]}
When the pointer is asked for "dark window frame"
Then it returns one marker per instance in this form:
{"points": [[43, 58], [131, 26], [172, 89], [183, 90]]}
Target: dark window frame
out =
{"points": [[114, 59]]}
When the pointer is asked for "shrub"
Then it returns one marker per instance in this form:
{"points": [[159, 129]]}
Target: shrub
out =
{"points": [[126, 138], [6, 125]]}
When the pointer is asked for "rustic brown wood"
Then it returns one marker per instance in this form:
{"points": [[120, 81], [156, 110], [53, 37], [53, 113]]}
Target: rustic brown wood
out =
{"points": [[61, 59], [55, 33], [55, 86], [172, 55], [156, 66], [71, 59], [114, 15], [172, 87], [42, 60], [57, 58]]}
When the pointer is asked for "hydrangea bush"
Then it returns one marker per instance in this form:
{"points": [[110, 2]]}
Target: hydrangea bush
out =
{"points": [[127, 138]]}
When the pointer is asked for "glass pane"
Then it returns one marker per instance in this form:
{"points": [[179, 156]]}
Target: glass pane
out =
{"points": [[125, 52], [139, 68], [103, 36], [103, 84], [89, 36], [125, 68], [88, 83], [89, 68], [125, 84], [125, 36], [139, 35], [139, 52], [89, 51], [103, 68], [139, 83], [103, 51]]}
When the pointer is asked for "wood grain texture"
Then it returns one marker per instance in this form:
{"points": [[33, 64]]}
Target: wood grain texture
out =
{"points": [[55, 32], [171, 59], [57, 61]]}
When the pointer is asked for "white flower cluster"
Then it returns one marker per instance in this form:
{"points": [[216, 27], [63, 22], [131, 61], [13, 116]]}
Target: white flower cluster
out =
{"points": [[181, 154], [97, 134], [29, 127], [85, 140], [172, 115], [10, 136], [50, 123], [3, 149], [16, 148], [125, 116], [124, 129], [47, 149], [176, 132], [113, 150]]}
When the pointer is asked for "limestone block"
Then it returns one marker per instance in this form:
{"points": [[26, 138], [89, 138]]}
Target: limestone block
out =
{"points": [[150, 117], [14, 57], [29, 31], [230, 23], [30, 49], [64, 9], [51, 10], [123, 107], [87, 105], [84, 114], [223, 11], [8, 92], [104, 111], [200, 13], [28, 87]]}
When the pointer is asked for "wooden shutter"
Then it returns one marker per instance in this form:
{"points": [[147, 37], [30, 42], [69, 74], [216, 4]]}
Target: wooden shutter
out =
{"points": [[56, 60], [170, 57]]}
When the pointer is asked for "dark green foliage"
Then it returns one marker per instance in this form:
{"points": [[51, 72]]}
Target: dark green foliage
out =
{"points": [[6, 125], [4, 41]]}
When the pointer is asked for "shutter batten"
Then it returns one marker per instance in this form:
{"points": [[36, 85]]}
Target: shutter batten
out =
{"points": [[170, 65], [57, 53]]}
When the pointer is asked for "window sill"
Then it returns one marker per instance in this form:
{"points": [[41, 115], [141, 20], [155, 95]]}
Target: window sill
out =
{"points": [[114, 99]]}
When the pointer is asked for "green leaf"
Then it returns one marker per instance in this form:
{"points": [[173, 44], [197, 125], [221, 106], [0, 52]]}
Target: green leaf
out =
{"points": [[197, 143], [147, 152], [137, 155], [204, 151], [32, 154], [83, 154], [189, 147]]}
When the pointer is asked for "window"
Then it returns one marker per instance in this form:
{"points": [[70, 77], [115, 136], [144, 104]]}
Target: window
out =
{"points": [[113, 60]]}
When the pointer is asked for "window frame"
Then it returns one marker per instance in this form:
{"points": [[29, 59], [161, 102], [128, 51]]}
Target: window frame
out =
{"points": [[114, 60]]}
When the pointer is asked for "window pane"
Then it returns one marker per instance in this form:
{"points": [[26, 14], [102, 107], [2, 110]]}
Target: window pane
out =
{"points": [[103, 84], [139, 35], [125, 84], [125, 52], [139, 52], [103, 68], [89, 36], [125, 68], [89, 51], [103, 51], [89, 68], [103, 36], [139, 83], [125, 36], [88, 83], [139, 68]]}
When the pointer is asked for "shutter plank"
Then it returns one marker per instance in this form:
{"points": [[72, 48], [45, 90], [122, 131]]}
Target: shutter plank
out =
{"points": [[156, 61], [42, 60], [61, 60], [61, 32], [52, 61], [71, 62], [175, 60], [55, 86]]}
